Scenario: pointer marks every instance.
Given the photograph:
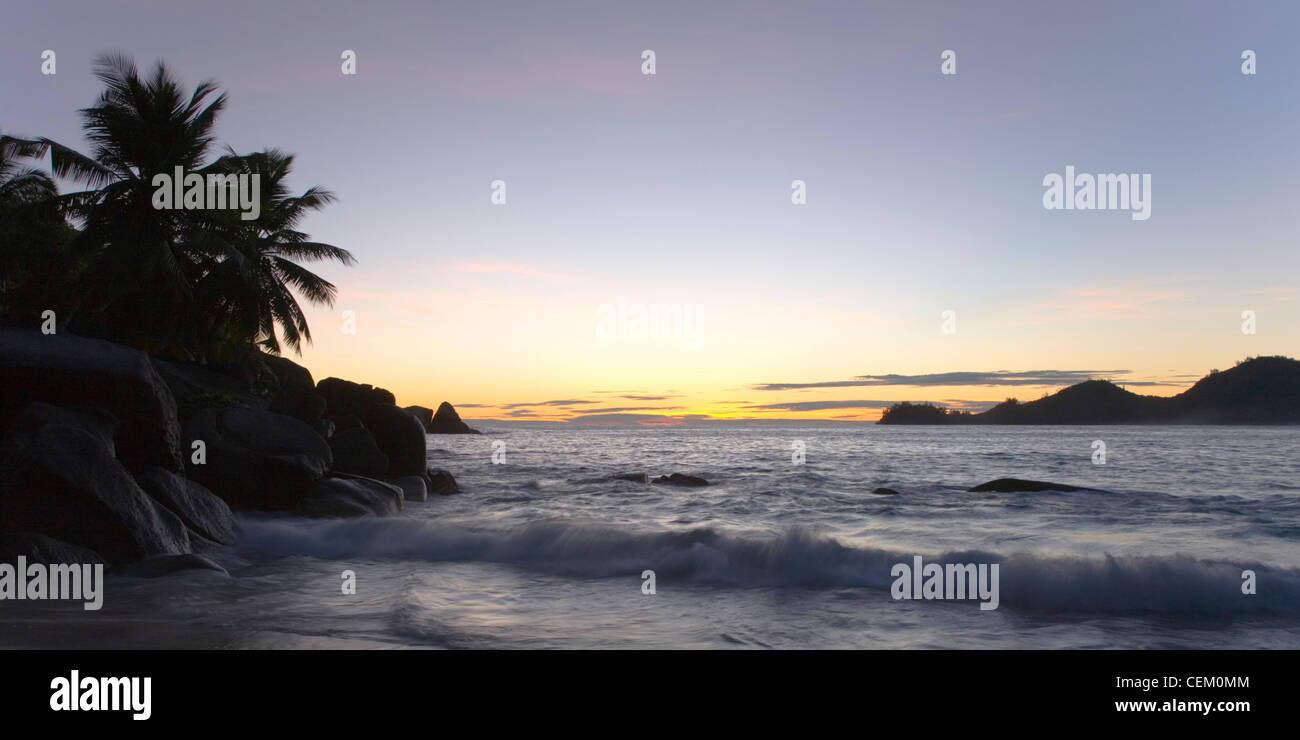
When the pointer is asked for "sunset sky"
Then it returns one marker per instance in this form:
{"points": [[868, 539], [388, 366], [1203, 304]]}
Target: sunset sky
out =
{"points": [[924, 191]]}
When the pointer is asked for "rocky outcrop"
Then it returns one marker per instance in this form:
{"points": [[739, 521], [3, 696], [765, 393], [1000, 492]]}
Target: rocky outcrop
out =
{"points": [[422, 414], [60, 478], [350, 496], [205, 513], [257, 459], [440, 482], [39, 548], [414, 488], [1017, 485], [678, 479], [447, 421], [295, 394], [356, 452], [400, 437], [71, 371], [345, 397]]}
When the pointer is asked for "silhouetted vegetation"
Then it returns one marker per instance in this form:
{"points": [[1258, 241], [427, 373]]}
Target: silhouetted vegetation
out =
{"points": [[199, 284], [1259, 390]]}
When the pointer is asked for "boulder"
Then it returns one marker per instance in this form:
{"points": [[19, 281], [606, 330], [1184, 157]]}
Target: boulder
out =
{"points": [[885, 492], [295, 394], [58, 477], [677, 479], [350, 496], [440, 482], [422, 414], [356, 452], [343, 422], [345, 397], [1016, 485], [447, 421], [413, 488], [39, 548], [400, 437], [169, 564], [257, 459], [66, 370], [196, 387], [200, 509]]}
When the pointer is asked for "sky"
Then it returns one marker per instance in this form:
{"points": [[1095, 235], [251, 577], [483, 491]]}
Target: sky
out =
{"points": [[648, 264]]}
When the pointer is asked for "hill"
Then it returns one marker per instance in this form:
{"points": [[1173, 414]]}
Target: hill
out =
{"points": [[1260, 390]]}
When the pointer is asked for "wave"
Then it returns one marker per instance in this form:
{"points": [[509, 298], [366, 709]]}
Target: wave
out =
{"points": [[797, 557]]}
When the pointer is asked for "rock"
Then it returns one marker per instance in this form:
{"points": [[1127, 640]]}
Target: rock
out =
{"points": [[257, 459], [885, 492], [66, 370], [677, 479], [1016, 485], [350, 496], [58, 477], [200, 509], [423, 415], [343, 422], [196, 387], [39, 548], [345, 397], [413, 488], [169, 564], [356, 452], [447, 421], [441, 482], [295, 393], [400, 437]]}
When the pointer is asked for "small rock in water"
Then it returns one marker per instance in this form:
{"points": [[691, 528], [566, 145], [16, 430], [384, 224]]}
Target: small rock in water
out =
{"points": [[677, 479], [1017, 485], [885, 492]]}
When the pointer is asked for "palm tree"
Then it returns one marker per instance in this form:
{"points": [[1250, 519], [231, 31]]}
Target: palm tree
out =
{"points": [[34, 261], [248, 287], [157, 279]]}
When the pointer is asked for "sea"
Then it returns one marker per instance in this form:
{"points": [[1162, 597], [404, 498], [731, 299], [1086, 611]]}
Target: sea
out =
{"points": [[1191, 539]]}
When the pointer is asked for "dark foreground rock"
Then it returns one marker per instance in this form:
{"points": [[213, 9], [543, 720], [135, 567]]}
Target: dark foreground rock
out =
{"points": [[39, 548], [167, 565], [885, 492], [440, 482], [58, 477], [1017, 485], [71, 371], [350, 496], [400, 437], [200, 509], [356, 452], [678, 479], [447, 421], [414, 488], [422, 414], [257, 459]]}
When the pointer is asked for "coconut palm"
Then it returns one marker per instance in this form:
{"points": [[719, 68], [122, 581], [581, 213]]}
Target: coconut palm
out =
{"points": [[249, 285], [154, 274], [35, 265]]}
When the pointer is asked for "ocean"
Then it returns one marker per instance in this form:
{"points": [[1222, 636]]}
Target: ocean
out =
{"points": [[548, 550]]}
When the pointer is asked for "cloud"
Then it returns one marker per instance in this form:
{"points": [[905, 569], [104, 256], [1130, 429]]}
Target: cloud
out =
{"points": [[647, 398], [626, 408], [999, 377], [822, 405], [562, 402]]}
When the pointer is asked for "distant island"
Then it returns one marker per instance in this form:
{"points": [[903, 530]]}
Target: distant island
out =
{"points": [[1259, 390]]}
